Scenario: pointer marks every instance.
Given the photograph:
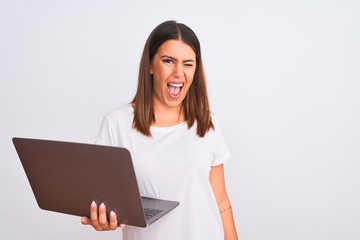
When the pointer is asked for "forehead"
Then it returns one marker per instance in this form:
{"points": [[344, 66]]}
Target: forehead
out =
{"points": [[177, 49]]}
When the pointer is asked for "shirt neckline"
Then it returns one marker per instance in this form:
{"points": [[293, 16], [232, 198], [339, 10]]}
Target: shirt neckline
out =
{"points": [[168, 129], [161, 129]]}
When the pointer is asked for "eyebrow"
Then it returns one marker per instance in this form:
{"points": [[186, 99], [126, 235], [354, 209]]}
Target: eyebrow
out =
{"points": [[172, 58]]}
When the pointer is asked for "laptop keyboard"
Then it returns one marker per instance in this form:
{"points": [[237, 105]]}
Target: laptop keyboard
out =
{"points": [[150, 212]]}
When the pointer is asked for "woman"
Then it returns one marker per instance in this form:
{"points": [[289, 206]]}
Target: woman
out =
{"points": [[176, 143]]}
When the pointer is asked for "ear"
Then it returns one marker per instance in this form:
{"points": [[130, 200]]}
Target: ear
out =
{"points": [[151, 69]]}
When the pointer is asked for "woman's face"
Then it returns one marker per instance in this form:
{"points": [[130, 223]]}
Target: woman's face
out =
{"points": [[173, 68]]}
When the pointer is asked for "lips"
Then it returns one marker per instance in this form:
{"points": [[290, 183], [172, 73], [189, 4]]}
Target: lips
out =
{"points": [[174, 89]]}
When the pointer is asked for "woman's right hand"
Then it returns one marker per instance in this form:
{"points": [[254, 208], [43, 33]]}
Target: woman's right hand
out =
{"points": [[98, 219]]}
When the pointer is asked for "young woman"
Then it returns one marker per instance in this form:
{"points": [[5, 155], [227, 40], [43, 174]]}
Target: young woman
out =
{"points": [[175, 142]]}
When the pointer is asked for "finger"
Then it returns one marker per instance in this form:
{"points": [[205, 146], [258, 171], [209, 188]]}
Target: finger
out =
{"points": [[102, 217], [122, 225], [113, 221], [85, 220], [94, 216]]}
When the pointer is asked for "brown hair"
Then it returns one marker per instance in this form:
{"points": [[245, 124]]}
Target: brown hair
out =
{"points": [[195, 105]]}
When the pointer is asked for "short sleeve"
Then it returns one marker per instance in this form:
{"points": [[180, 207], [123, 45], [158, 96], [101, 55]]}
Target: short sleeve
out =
{"points": [[222, 153], [106, 134]]}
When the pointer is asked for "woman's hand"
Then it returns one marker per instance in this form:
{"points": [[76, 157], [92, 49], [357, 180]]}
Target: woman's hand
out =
{"points": [[98, 219]]}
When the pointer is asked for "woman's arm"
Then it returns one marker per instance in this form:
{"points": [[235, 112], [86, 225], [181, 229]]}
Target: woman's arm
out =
{"points": [[217, 182]]}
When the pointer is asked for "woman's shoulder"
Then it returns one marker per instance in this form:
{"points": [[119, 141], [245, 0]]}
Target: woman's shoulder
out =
{"points": [[122, 113], [217, 123], [214, 119]]}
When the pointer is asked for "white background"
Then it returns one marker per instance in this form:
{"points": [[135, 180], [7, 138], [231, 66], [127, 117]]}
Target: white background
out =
{"points": [[283, 78]]}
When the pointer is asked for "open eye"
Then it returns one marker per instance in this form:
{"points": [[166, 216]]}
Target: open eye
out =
{"points": [[168, 61]]}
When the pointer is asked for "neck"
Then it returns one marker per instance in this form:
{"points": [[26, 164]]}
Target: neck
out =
{"points": [[168, 116]]}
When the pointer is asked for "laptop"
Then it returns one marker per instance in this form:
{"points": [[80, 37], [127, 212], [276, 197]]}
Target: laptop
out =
{"points": [[66, 177]]}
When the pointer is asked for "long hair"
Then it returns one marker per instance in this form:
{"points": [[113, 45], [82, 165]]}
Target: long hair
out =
{"points": [[196, 103]]}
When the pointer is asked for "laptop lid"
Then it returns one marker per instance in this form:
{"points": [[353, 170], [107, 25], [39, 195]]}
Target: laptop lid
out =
{"points": [[66, 177]]}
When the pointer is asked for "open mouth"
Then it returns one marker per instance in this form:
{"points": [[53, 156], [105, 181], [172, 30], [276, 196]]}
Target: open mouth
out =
{"points": [[175, 89]]}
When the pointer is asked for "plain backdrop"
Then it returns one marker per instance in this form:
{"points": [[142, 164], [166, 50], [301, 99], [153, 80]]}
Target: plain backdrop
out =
{"points": [[283, 78]]}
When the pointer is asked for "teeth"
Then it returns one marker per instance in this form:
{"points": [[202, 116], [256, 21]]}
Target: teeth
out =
{"points": [[176, 84]]}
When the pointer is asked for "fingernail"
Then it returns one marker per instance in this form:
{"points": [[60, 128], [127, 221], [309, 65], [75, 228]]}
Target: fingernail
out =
{"points": [[112, 214], [102, 205], [93, 204]]}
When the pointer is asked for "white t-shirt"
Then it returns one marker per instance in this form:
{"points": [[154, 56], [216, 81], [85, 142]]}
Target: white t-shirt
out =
{"points": [[173, 164]]}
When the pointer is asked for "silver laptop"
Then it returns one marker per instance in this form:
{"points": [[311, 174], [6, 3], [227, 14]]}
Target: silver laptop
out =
{"points": [[66, 177]]}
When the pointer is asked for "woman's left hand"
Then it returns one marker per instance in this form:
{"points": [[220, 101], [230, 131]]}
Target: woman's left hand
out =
{"points": [[98, 219]]}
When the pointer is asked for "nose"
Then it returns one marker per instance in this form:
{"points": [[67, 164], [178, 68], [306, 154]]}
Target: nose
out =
{"points": [[178, 71]]}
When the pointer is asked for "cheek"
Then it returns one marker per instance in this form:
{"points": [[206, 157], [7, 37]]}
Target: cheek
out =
{"points": [[158, 83], [161, 75], [190, 76]]}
